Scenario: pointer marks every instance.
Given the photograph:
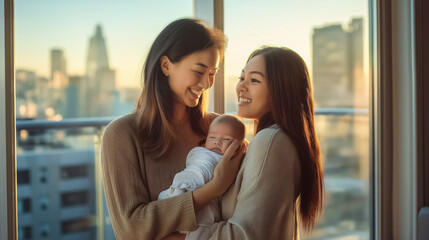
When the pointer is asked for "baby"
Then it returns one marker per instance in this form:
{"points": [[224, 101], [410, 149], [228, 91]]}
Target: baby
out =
{"points": [[200, 165]]}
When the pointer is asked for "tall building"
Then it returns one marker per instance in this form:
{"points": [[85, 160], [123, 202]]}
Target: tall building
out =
{"points": [[339, 82], [100, 79], [56, 194], [72, 109], [59, 81], [338, 64], [58, 69], [56, 185]]}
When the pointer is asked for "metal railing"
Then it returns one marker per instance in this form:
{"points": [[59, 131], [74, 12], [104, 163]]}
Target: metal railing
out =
{"points": [[100, 122]]}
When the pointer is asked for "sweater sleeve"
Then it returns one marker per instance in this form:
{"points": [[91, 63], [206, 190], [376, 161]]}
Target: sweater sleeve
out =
{"points": [[132, 214], [267, 183]]}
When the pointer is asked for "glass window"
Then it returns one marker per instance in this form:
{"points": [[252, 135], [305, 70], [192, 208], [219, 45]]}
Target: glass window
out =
{"points": [[76, 225], [24, 205], [76, 61], [23, 177], [25, 233], [74, 198], [74, 172], [332, 38]]}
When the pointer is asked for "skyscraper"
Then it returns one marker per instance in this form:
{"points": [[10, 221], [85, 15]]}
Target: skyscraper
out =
{"points": [[340, 82], [59, 81], [338, 65], [100, 79], [97, 54], [58, 69]]}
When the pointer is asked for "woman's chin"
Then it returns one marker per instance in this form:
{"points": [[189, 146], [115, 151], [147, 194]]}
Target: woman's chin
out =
{"points": [[191, 104], [244, 115]]}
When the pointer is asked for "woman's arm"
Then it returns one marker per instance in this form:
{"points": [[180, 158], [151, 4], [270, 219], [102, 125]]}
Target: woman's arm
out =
{"points": [[224, 175], [267, 185], [132, 214]]}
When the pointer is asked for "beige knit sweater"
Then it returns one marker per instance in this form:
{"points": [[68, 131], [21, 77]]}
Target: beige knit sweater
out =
{"points": [[133, 181], [259, 205]]}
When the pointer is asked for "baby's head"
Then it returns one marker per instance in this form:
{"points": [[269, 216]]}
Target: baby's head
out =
{"points": [[223, 130]]}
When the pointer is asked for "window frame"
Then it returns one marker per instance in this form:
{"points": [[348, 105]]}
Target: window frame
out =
{"points": [[394, 135], [212, 12], [395, 119], [8, 211]]}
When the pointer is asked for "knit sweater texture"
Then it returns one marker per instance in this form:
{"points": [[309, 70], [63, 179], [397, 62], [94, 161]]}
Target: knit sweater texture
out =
{"points": [[260, 204]]}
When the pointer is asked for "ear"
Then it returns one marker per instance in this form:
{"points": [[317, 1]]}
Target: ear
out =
{"points": [[165, 65]]}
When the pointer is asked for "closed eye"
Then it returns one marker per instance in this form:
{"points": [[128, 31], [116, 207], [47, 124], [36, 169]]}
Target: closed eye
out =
{"points": [[255, 80], [198, 73]]}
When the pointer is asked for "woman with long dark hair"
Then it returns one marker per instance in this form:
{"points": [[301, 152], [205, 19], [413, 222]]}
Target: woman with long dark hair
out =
{"points": [[281, 178], [142, 151]]}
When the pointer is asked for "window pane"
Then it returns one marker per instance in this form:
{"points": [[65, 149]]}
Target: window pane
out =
{"points": [[23, 177], [74, 198], [332, 38], [75, 61], [74, 172]]}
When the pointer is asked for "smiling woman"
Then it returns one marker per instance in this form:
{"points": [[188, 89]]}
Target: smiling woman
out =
{"points": [[143, 151]]}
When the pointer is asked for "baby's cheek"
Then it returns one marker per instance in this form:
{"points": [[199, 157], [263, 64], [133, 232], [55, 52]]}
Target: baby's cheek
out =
{"points": [[207, 144]]}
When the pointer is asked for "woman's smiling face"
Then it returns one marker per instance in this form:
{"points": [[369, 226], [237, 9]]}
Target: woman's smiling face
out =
{"points": [[252, 90], [192, 75]]}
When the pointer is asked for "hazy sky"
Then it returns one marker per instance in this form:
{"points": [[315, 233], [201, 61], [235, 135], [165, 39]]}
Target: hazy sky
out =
{"points": [[129, 28]]}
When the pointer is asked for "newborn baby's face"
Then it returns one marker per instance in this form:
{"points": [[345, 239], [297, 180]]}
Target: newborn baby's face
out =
{"points": [[220, 136]]}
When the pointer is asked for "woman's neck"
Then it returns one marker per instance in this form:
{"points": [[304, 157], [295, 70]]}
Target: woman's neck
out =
{"points": [[180, 113]]}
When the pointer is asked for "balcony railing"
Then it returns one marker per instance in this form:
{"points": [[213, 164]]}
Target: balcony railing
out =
{"points": [[103, 121]]}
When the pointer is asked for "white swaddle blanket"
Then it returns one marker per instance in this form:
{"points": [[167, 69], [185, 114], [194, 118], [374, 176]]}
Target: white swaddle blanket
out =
{"points": [[200, 165]]}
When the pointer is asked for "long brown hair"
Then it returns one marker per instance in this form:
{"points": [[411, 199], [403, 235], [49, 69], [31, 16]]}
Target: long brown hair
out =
{"points": [[292, 107], [155, 107]]}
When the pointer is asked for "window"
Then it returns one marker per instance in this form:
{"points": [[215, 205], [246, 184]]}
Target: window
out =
{"points": [[25, 233], [76, 61], [332, 38], [74, 198], [23, 177], [74, 172], [76, 225], [391, 56], [24, 205]]}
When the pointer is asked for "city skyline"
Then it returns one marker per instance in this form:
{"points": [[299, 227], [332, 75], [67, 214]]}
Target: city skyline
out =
{"points": [[131, 28]]}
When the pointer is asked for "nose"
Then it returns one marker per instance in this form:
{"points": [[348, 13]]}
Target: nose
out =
{"points": [[206, 82], [241, 87], [217, 142]]}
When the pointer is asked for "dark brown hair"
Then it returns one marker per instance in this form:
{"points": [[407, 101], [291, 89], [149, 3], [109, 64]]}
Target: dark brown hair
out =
{"points": [[155, 107], [292, 108]]}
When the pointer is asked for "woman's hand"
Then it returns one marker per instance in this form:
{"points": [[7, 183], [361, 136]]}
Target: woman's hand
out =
{"points": [[224, 175], [227, 169], [175, 236]]}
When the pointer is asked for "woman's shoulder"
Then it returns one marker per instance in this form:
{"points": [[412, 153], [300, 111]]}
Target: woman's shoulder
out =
{"points": [[126, 123], [273, 138], [270, 133]]}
